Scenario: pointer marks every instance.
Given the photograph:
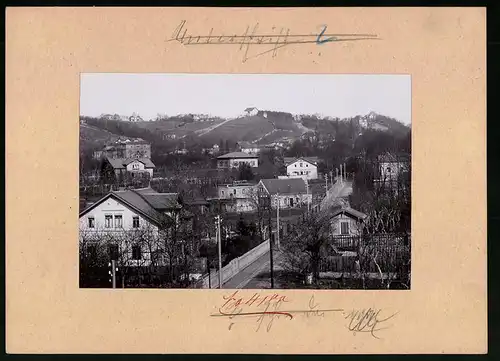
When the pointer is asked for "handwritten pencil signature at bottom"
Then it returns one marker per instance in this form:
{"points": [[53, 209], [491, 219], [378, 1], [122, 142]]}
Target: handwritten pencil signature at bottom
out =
{"points": [[367, 320], [358, 321]]}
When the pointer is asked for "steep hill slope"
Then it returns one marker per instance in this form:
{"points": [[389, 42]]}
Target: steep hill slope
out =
{"points": [[266, 126], [92, 137]]}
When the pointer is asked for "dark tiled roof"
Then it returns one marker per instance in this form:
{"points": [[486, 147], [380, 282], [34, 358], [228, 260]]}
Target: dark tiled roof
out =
{"points": [[142, 205], [145, 201], [290, 160], [116, 163], [159, 201], [236, 155], [196, 202], [162, 201], [311, 159], [285, 186], [347, 210]]}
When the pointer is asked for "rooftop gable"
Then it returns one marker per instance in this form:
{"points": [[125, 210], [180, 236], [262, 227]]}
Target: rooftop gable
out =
{"points": [[146, 202], [348, 211], [285, 186], [310, 160], [236, 155]]}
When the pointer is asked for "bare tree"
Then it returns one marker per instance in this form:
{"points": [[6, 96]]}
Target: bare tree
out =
{"points": [[259, 202], [307, 244], [385, 246]]}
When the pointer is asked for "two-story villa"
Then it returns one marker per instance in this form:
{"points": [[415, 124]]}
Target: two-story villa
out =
{"points": [[128, 223], [234, 159], [304, 167]]}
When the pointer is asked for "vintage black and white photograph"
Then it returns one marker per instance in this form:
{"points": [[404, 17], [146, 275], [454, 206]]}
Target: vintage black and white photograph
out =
{"points": [[245, 181]]}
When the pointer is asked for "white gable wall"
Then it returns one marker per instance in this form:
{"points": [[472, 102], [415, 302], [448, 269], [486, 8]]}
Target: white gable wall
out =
{"points": [[115, 208], [137, 166], [390, 170], [302, 169], [355, 228]]}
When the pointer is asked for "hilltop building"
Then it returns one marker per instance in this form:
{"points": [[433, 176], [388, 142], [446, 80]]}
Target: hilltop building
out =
{"points": [[234, 159], [120, 167], [251, 111], [124, 149]]}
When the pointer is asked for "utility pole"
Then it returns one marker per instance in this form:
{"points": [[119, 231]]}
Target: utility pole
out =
{"points": [[307, 192], [277, 220], [209, 271], [271, 241], [219, 241], [112, 272]]}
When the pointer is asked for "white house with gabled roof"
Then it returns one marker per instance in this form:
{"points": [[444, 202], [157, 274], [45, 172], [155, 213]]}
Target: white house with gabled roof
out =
{"points": [[303, 167], [128, 224]]}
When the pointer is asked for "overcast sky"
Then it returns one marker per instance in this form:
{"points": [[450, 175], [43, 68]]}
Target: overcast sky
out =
{"points": [[228, 95]]}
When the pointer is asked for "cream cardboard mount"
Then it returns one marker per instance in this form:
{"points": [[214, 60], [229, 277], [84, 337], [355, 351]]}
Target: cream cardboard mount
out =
{"points": [[442, 49]]}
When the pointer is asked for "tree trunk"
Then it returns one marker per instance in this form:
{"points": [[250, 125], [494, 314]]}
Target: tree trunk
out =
{"points": [[315, 268]]}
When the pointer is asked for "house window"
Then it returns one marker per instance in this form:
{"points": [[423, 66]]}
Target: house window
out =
{"points": [[295, 165], [113, 251], [118, 221], [222, 192], [135, 222], [307, 165], [388, 169], [301, 164], [136, 252], [91, 222], [108, 220], [344, 228]]}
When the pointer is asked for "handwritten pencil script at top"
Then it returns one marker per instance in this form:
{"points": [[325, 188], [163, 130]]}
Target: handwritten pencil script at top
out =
{"points": [[268, 42], [263, 308]]}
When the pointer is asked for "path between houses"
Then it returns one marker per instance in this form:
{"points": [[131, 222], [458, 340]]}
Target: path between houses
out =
{"points": [[241, 279], [338, 190]]}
